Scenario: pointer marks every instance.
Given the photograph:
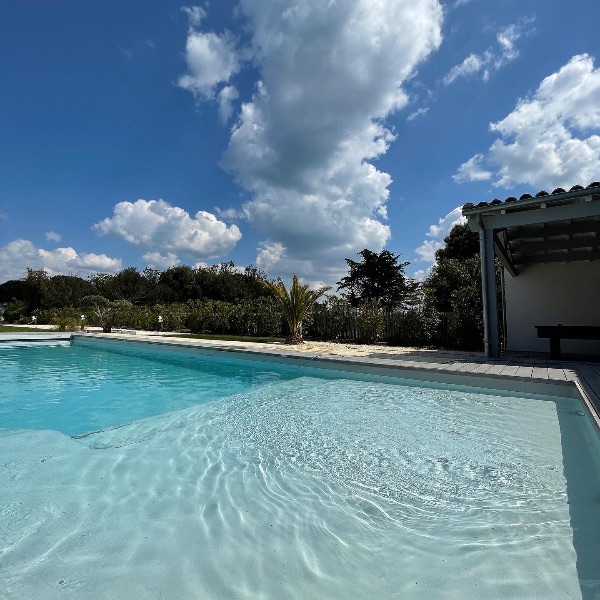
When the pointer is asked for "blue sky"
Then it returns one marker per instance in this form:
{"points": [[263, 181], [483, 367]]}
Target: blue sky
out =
{"points": [[287, 134]]}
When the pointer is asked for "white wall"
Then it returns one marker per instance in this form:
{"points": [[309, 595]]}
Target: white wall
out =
{"points": [[565, 293]]}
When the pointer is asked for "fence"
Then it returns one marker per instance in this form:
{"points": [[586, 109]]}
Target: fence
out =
{"points": [[411, 328]]}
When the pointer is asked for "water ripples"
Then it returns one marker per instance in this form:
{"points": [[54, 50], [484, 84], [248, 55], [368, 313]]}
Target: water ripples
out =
{"points": [[295, 489]]}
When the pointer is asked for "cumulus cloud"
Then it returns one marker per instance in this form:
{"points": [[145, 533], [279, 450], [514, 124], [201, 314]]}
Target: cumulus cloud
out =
{"points": [[493, 59], [421, 274], [436, 234], [551, 138], [472, 170], [52, 236], [212, 59], [21, 254], [226, 98], [329, 75], [157, 226], [269, 255], [155, 260]]}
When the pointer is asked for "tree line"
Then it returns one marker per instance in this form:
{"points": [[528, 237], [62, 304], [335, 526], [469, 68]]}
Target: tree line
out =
{"points": [[375, 301]]}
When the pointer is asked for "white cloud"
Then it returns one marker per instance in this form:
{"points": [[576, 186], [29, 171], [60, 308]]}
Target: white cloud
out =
{"points": [[330, 73], [155, 260], [427, 250], [269, 255], [552, 137], [472, 170], [421, 274], [195, 14], [157, 226], [226, 98], [492, 59], [437, 232], [211, 59], [417, 113], [52, 236], [21, 254], [472, 64]]}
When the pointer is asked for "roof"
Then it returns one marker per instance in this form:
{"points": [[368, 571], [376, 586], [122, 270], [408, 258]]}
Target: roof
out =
{"points": [[558, 196], [562, 226]]}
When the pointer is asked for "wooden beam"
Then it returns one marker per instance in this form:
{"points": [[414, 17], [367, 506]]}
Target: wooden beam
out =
{"points": [[523, 248], [558, 257], [591, 226], [503, 255]]}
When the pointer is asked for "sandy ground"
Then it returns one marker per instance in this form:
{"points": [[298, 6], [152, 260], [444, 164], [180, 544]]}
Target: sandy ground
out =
{"points": [[311, 347]]}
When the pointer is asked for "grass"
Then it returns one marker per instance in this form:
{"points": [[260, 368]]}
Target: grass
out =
{"points": [[229, 338], [11, 329]]}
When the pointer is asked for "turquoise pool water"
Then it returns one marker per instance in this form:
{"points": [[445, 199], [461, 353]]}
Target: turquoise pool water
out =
{"points": [[77, 388], [287, 484]]}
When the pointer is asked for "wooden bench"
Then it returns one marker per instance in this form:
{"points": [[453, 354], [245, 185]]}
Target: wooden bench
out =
{"points": [[566, 332]]}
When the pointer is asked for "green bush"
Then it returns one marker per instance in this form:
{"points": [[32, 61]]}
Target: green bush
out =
{"points": [[332, 320], [260, 317], [65, 319], [415, 327], [16, 312], [369, 322]]}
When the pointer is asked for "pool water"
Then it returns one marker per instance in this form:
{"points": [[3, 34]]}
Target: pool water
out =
{"points": [[78, 388], [289, 485]]}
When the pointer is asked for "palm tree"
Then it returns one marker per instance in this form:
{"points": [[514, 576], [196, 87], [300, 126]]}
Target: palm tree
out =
{"points": [[295, 304]]}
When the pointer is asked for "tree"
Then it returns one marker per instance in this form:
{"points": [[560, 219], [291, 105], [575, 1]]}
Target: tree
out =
{"points": [[102, 309], [460, 243], [454, 286], [65, 290], [380, 277], [295, 304]]}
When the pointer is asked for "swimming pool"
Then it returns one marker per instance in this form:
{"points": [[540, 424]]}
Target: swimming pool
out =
{"points": [[294, 483]]}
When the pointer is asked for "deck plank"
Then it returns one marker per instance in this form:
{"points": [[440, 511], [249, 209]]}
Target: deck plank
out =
{"points": [[540, 371], [496, 369], [510, 369], [556, 373], [481, 368], [524, 371]]}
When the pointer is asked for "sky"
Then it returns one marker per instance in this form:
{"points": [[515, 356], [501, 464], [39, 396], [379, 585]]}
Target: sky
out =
{"points": [[284, 134]]}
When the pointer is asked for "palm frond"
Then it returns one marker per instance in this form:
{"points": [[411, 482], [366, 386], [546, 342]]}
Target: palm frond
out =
{"points": [[295, 303]]}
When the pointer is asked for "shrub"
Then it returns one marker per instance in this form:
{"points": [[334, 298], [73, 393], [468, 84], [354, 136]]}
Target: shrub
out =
{"points": [[370, 322], [65, 319], [332, 319], [16, 312]]}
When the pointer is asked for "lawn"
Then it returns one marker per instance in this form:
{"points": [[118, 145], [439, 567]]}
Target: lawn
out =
{"points": [[11, 329]]}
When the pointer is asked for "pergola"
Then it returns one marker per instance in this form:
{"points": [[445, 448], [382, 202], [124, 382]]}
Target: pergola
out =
{"points": [[563, 226]]}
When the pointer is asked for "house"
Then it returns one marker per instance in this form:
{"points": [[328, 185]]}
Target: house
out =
{"points": [[549, 247]]}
